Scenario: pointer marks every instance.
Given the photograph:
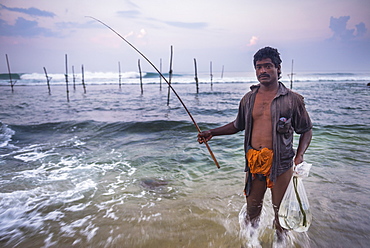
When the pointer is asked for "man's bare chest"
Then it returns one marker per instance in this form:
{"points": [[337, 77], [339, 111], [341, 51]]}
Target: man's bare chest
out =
{"points": [[262, 106]]}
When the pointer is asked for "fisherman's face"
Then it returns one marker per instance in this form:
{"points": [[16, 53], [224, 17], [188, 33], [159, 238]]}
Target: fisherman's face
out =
{"points": [[266, 71]]}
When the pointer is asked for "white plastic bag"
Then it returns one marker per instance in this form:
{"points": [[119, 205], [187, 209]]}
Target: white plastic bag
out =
{"points": [[294, 212]]}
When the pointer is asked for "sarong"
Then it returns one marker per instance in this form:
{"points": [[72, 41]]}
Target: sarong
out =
{"points": [[259, 163]]}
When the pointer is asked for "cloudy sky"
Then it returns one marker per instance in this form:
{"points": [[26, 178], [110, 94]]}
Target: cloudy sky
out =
{"points": [[320, 35]]}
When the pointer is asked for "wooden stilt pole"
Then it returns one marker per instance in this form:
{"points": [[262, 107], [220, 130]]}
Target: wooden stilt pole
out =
{"points": [[47, 80], [83, 78], [141, 77], [196, 75], [169, 78], [66, 75], [74, 78], [291, 76], [10, 74], [160, 78], [211, 75], [119, 75]]}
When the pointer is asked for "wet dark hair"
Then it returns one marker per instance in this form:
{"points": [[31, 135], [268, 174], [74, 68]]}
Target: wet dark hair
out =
{"points": [[271, 53]]}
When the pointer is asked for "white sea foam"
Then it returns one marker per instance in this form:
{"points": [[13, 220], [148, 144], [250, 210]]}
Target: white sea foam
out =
{"points": [[265, 232], [27, 155], [6, 134], [131, 77], [256, 236]]}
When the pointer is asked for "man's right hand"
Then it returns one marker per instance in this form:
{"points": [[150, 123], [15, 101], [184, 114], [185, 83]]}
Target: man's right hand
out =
{"points": [[224, 130], [204, 136]]}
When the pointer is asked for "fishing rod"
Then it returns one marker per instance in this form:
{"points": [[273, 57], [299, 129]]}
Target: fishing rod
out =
{"points": [[169, 85]]}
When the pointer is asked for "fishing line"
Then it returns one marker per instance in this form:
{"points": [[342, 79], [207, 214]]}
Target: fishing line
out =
{"points": [[169, 85]]}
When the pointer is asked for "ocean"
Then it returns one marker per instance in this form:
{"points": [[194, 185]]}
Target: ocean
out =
{"points": [[115, 167]]}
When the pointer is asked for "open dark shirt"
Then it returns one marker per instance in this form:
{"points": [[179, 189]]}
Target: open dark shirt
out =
{"points": [[288, 114]]}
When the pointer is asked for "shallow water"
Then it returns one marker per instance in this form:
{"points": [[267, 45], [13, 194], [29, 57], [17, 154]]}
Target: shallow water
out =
{"points": [[114, 168]]}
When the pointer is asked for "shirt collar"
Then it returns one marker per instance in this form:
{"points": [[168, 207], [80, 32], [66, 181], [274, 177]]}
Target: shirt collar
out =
{"points": [[282, 90]]}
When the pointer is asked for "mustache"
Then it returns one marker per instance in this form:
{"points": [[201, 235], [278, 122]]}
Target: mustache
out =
{"points": [[264, 75]]}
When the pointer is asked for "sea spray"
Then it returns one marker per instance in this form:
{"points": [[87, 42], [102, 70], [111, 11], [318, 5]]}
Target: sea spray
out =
{"points": [[5, 135], [264, 232], [264, 235]]}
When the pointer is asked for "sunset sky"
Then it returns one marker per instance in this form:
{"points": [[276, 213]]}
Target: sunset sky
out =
{"points": [[320, 35]]}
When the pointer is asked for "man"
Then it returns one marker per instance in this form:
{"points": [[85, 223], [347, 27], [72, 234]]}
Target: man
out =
{"points": [[269, 114]]}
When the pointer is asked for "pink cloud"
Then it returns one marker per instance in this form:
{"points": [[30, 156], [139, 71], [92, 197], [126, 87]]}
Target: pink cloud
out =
{"points": [[253, 41]]}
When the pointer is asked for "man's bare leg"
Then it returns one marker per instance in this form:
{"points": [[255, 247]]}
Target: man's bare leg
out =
{"points": [[255, 201], [278, 192]]}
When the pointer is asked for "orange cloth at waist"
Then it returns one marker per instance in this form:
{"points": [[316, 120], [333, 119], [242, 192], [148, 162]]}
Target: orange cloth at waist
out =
{"points": [[260, 162]]}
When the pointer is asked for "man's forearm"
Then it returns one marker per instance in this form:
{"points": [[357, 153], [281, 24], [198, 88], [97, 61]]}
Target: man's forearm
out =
{"points": [[224, 130], [304, 142]]}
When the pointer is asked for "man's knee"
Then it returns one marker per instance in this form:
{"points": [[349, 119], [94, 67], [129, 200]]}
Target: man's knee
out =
{"points": [[255, 199], [254, 212], [280, 187]]}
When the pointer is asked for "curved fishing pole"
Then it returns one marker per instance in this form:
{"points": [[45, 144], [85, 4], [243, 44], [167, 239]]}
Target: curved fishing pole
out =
{"points": [[169, 85]]}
